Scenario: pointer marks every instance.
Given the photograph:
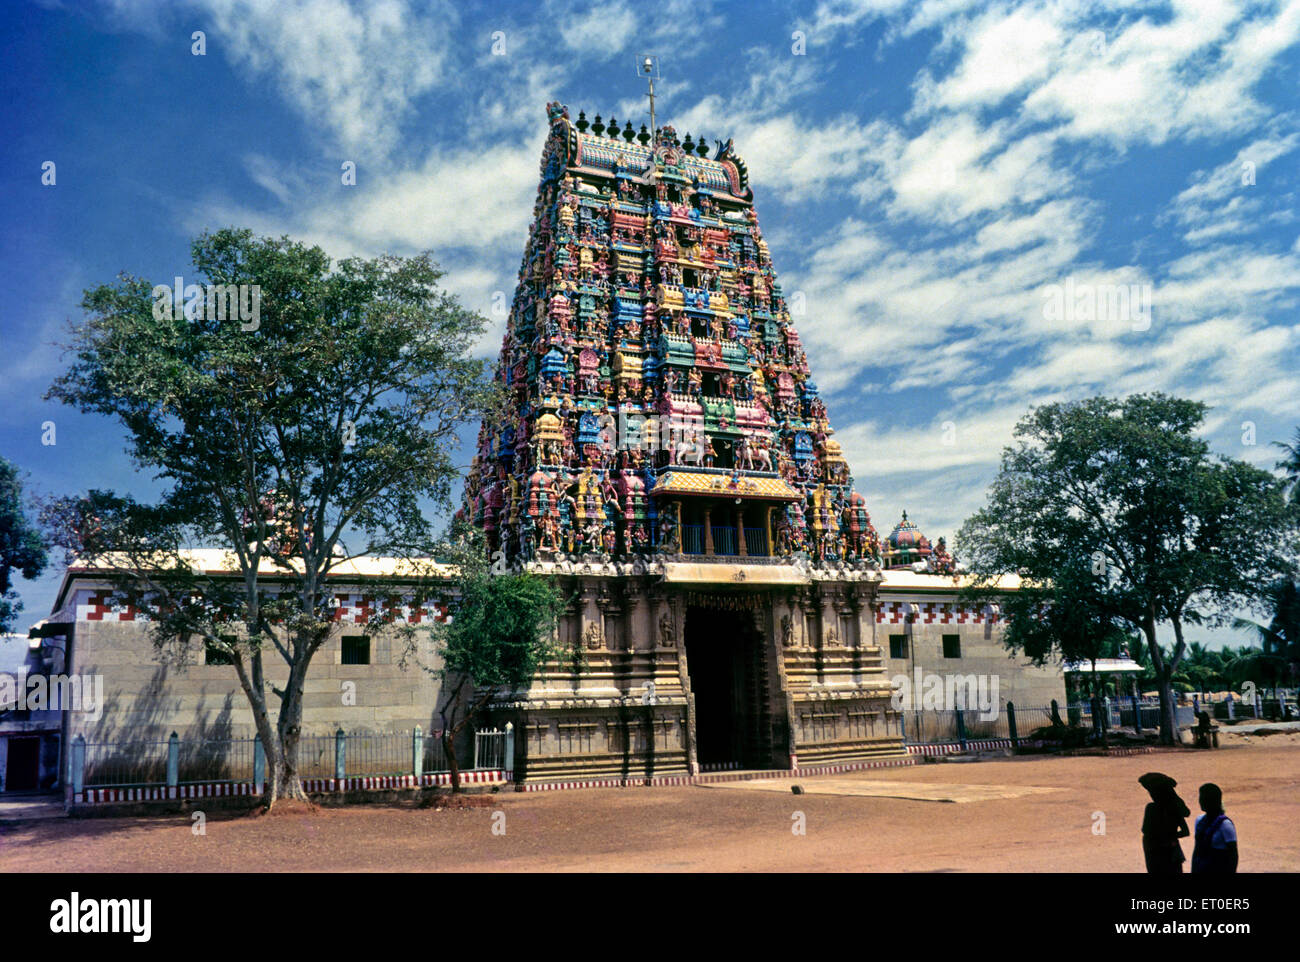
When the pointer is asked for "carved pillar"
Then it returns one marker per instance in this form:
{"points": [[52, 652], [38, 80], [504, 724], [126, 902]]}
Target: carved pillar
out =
{"points": [[740, 533], [830, 618], [611, 611], [708, 529], [593, 628], [805, 622]]}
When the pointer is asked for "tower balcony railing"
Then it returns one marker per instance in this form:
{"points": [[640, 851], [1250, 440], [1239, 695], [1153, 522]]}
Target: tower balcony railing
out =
{"points": [[692, 539], [724, 540], [755, 541]]}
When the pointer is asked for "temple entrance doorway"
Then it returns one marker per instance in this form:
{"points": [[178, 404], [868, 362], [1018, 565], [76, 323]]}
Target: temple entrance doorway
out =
{"points": [[729, 677]]}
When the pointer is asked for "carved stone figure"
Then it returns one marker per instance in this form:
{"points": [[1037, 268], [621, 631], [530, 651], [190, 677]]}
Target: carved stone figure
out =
{"points": [[667, 634]]}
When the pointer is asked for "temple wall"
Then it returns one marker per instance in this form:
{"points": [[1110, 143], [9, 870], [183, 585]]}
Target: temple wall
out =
{"points": [[147, 699], [922, 620]]}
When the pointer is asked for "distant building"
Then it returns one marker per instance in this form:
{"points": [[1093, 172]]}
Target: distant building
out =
{"points": [[29, 737]]}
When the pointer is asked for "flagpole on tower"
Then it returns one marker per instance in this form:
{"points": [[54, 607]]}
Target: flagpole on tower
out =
{"points": [[648, 67]]}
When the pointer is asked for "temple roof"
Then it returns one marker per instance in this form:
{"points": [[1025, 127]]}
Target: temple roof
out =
{"points": [[594, 147], [906, 536], [706, 483]]}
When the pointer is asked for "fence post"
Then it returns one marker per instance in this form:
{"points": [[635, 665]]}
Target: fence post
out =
{"points": [[477, 736], [508, 763], [1011, 725], [340, 753], [78, 764], [961, 728], [259, 766], [1137, 713], [173, 764], [417, 753]]}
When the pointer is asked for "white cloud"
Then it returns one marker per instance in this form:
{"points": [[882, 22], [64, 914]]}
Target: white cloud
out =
{"points": [[355, 69], [600, 32]]}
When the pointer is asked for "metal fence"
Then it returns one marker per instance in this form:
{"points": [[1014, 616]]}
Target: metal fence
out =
{"points": [[931, 726], [144, 762], [490, 750], [150, 762], [693, 539]]}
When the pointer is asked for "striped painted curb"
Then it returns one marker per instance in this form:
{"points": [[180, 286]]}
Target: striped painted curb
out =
{"points": [[713, 777], [317, 786]]}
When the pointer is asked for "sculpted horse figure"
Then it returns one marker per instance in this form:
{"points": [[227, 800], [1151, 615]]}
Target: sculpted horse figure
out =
{"points": [[752, 452], [690, 450]]}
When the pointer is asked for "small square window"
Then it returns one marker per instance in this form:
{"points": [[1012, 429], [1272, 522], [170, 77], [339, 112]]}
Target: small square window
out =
{"points": [[898, 646], [952, 646], [356, 650], [215, 656]]}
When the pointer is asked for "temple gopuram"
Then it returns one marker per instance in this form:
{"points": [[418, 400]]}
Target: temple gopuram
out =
{"points": [[668, 459]]}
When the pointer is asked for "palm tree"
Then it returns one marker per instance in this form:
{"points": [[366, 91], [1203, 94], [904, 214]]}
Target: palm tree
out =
{"points": [[1291, 465], [1279, 640]]}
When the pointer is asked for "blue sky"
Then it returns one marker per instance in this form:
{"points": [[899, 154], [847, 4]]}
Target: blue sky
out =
{"points": [[925, 173]]}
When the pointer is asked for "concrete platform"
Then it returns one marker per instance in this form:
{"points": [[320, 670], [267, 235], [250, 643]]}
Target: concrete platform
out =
{"points": [[24, 808], [871, 788]]}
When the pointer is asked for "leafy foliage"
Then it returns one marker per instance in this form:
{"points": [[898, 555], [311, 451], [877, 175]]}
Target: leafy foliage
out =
{"points": [[21, 547], [320, 437], [1173, 534]]}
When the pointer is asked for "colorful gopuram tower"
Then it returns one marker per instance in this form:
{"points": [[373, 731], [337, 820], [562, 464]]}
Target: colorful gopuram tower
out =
{"points": [[667, 457]]}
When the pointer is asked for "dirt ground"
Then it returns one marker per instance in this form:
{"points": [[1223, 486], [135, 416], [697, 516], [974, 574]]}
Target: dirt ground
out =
{"points": [[715, 829]]}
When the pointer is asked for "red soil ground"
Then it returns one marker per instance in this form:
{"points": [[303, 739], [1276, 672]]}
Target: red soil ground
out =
{"points": [[708, 829]]}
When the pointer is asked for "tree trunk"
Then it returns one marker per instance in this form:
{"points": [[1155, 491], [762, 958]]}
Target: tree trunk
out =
{"points": [[1164, 671], [288, 780], [449, 750]]}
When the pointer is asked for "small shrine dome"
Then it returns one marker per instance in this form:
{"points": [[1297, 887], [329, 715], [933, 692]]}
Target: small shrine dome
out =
{"points": [[554, 363], [549, 428], [908, 537], [906, 545]]}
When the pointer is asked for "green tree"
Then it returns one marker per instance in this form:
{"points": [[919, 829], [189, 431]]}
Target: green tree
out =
{"points": [[1176, 535], [298, 441], [500, 634], [21, 547], [1290, 466], [1058, 619], [1279, 638]]}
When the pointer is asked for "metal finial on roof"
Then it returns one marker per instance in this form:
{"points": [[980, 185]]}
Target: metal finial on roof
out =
{"points": [[648, 67]]}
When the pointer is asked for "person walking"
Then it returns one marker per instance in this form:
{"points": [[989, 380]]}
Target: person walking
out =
{"points": [[1215, 849], [1163, 824]]}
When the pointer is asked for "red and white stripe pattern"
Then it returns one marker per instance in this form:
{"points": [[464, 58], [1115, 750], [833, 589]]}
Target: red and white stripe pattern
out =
{"points": [[739, 776], [161, 793], [383, 782], [349, 607], [97, 606], [355, 607], [983, 745], [933, 612]]}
